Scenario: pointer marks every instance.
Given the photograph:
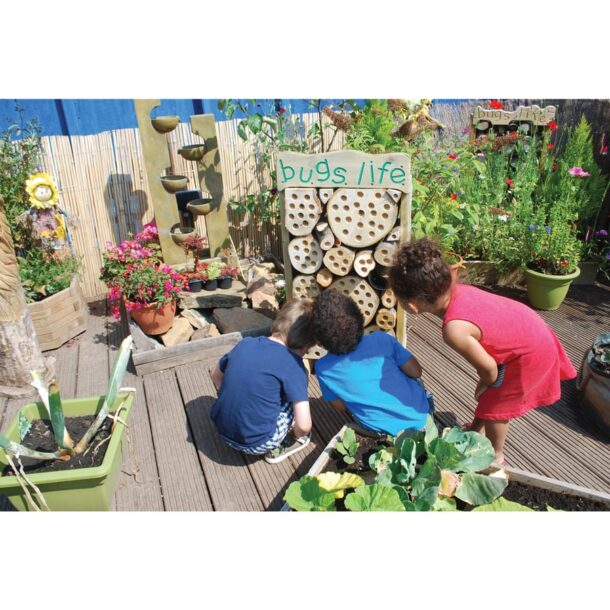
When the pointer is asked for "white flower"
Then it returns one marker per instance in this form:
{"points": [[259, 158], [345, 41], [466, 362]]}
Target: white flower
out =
{"points": [[280, 284], [503, 217]]}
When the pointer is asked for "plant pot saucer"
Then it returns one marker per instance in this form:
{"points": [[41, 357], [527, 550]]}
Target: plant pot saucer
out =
{"points": [[165, 124], [192, 152], [201, 206], [173, 184]]}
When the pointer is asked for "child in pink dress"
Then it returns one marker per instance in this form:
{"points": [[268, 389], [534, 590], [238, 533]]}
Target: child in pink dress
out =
{"points": [[519, 359]]}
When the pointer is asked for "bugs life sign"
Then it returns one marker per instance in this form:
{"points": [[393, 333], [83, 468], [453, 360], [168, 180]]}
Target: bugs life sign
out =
{"points": [[344, 169], [529, 114]]}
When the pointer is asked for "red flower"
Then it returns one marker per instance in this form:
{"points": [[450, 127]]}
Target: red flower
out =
{"points": [[552, 125], [452, 156], [554, 166], [496, 105], [453, 196], [282, 110], [564, 264], [604, 150], [550, 146]]}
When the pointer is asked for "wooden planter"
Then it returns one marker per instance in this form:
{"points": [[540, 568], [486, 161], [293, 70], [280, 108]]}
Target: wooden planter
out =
{"points": [[60, 317], [514, 474]]}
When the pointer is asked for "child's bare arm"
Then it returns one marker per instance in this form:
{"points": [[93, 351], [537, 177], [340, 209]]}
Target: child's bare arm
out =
{"points": [[461, 336], [412, 368], [217, 376], [302, 418]]}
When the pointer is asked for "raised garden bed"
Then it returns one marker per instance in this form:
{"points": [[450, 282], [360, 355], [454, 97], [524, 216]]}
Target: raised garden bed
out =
{"points": [[532, 490], [60, 317]]}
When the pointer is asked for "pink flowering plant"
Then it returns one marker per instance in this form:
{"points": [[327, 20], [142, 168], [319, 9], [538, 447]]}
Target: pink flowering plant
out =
{"points": [[596, 248]]}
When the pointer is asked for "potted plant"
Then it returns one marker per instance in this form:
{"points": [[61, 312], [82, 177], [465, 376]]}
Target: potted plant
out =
{"points": [[227, 274], [595, 257], [193, 244], [212, 275], [72, 474]]}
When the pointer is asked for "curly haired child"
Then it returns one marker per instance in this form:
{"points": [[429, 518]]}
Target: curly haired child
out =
{"points": [[519, 359], [262, 388], [373, 377]]}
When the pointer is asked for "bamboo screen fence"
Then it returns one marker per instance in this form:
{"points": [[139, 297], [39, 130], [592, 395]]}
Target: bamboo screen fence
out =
{"points": [[103, 186]]}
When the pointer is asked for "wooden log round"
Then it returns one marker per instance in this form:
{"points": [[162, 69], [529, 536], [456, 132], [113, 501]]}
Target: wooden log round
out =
{"points": [[364, 262], [324, 277], [394, 235], [361, 217], [384, 253], [302, 210], [324, 235], [325, 194], [388, 298], [315, 352], [371, 329], [386, 318], [305, 286], [305, 254], [394, 194], [361, 292], [339, 260]]}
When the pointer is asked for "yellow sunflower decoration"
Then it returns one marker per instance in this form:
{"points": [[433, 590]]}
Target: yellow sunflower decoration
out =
{"points": [[42, 191]]}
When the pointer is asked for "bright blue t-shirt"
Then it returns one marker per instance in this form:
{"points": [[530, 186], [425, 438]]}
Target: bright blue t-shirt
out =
{"points": [[260, 377], [372, 386]]}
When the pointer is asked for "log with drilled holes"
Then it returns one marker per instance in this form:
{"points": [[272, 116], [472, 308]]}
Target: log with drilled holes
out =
{"points": [[394, 234], [364, 262], [303, 209], [385, 318], [325, 194], [339, 260], [388, 298], [361, 292], [315, 352], [305, 254], [361, 217], [324, 235], [324, 277], [305, 286], [384, 253]]}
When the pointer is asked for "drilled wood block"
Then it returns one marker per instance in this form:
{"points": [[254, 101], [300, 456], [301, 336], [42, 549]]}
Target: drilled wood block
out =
{"points": [[364, 262], [324, 277], [386, 318], [305, 254], [384, 253], [324, 235], [303, 209], [339, 260], [325, 194], [361, 217], [305, 286], [315, 352], [394, 194], [388, 298], [394, 235], [361, 292]]}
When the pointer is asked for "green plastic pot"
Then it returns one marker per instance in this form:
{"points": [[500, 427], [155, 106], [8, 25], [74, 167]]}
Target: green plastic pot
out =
{"points": [[83, 489], [548, 291]]}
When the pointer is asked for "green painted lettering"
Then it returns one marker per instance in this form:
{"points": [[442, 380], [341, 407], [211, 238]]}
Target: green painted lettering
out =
{"points": [[284, 169], [397, 175], [361, 172], [339, 172], [301, 179], [322, 170], [382, 170], [372, 172]]}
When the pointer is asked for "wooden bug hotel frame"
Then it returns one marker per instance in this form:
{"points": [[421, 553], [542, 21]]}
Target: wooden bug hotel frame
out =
{"points": [[343, 214]]}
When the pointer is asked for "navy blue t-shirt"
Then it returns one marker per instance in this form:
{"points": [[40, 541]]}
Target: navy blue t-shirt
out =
{"points": [[260, 376]]}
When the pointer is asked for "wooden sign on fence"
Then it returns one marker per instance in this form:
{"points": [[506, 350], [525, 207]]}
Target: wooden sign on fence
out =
{"points": [[523, 114]]}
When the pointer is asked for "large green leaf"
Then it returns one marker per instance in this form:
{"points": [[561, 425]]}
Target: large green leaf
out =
{"points": [[480, 489], [431, 430], [336, 483], [374, 498], [307, 495], [446, 454], [380, 460], [62, 437], [10, 446], [444, 504], [501, 504], [477, 449], [417, 435], [429, 476], [255, 122], [24, 425], [241, 130], [403, 467]]}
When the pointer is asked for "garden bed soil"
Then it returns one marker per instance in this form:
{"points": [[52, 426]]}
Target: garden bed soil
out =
{"points": [[366, 447], [40, 437]]}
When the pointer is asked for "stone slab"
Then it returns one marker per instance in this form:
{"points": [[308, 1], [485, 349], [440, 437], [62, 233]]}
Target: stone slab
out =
{"points": [[238, 319], [232, 297], [180, 332]]}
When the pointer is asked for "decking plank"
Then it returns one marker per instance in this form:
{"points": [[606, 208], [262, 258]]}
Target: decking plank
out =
{"points": [[230, 485], [138, 488], [182, 482], [92, 377]]}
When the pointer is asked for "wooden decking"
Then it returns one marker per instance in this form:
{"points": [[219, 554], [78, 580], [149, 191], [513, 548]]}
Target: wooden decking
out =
{"points": [[173, 459]]}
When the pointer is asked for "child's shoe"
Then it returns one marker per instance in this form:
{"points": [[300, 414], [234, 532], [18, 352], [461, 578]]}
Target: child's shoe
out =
{"points": [[289, 446]]}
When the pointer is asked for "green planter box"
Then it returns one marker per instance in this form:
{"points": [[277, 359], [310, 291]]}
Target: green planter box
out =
{"points": [[84, 489]]}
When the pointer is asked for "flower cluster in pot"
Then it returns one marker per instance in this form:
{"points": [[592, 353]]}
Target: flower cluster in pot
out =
{"points": [[596, 248], [134, 273]]}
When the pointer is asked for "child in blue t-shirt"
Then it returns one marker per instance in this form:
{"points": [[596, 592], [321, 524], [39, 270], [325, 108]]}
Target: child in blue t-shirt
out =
{"points": [[262, 388], [373, 377]]}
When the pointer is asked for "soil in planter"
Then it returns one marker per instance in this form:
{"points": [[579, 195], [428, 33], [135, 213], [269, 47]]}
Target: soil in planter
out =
{"points": [[367, 446], [40, 437]]}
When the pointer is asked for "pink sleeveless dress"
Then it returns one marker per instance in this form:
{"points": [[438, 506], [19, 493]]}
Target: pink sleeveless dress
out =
{"points": [[516, 336]]}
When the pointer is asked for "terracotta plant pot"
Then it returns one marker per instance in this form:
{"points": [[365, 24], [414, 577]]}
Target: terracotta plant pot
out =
{"points": [[546, 291], [225, 283], [210, 285], [154, 321]]}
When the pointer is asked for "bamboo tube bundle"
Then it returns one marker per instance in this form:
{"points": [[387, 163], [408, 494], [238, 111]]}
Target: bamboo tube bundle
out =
{"points": [[324, 235], [305, 254], [384, 253], [305, 286], [360, 218], [339, 260], [324, 277], [386, 318], [325, 194], [364, 262], [303, 210], [388, 298], [361, 292]]}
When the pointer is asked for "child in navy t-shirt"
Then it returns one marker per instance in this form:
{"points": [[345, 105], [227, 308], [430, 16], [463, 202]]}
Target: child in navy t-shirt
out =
{"points": [[262, 388], [374, 377]]}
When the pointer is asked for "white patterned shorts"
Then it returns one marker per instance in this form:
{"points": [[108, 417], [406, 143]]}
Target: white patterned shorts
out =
{"points": [[283, 424]]}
